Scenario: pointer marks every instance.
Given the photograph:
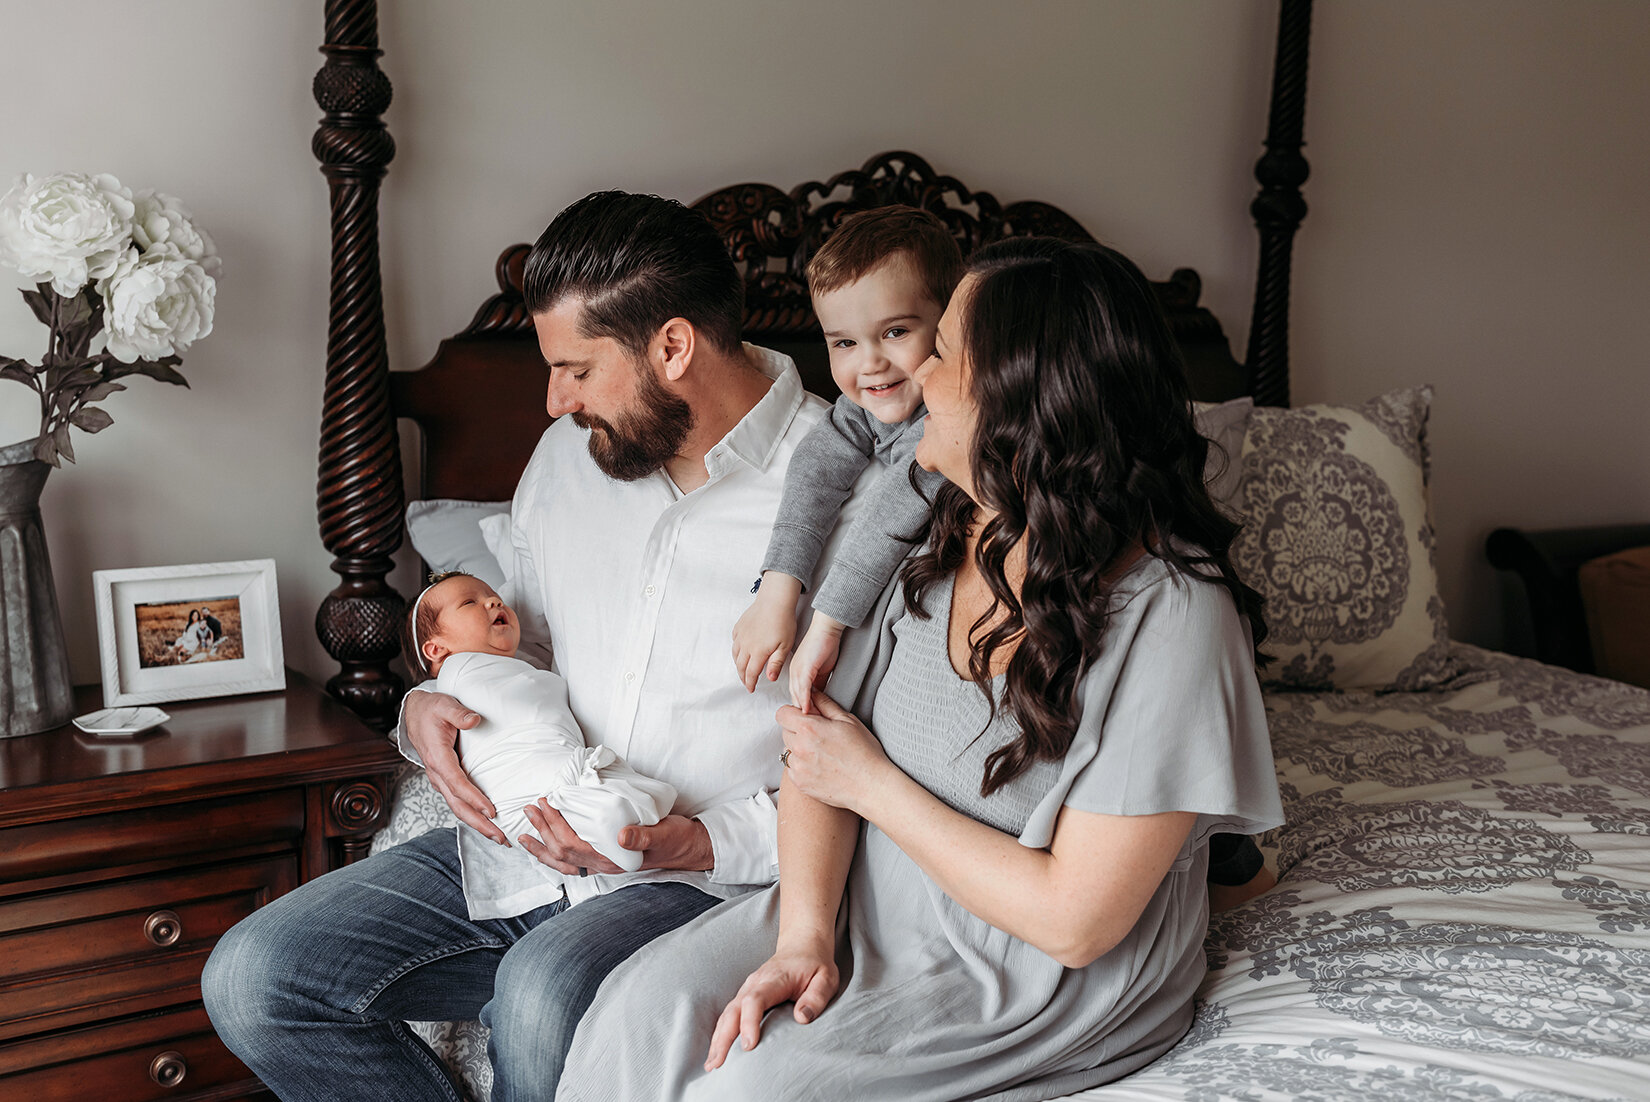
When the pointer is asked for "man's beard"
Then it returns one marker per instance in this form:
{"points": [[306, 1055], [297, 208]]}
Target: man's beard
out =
{"points": [[644, 437]]}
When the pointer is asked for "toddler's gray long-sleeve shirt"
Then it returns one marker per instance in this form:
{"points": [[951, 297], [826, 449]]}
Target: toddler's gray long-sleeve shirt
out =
{"points": [[822, 473]]}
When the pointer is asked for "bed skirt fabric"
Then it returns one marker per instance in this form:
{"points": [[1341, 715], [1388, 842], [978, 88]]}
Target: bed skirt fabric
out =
{"points": [[1463, 906]]}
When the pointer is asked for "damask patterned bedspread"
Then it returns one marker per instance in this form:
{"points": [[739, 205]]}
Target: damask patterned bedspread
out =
{"points": [[1463, 907]]}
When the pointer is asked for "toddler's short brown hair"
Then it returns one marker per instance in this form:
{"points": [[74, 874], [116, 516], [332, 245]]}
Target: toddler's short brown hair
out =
{"points": [[867, 239]]}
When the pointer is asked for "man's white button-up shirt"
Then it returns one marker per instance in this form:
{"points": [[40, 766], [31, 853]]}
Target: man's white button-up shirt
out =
{"points": [[637, 586]]}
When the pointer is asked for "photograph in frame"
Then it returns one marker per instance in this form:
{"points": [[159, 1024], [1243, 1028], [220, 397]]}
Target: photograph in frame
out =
{"points": [[186, 632]]}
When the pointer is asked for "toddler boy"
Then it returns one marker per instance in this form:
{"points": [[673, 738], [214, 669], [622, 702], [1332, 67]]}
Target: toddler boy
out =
{"points": [[879, 284]]}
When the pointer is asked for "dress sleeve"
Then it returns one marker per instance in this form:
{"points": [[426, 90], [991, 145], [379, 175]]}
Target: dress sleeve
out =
{"points": [[821, 475], [1172, 719]]}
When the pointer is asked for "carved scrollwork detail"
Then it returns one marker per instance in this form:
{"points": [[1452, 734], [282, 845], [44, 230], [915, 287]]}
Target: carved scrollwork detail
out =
{"points": [[772, 234], [357, 807]]}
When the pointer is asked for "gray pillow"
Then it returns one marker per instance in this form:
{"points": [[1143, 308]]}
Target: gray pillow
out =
{"points": [[447, 535]]}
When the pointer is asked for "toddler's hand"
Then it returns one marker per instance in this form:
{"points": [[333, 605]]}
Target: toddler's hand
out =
{"points": [[815, 659], [763, 636]]}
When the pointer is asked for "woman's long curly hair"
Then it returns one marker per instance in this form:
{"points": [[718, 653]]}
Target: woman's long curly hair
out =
{"points": [[1084, 450]]}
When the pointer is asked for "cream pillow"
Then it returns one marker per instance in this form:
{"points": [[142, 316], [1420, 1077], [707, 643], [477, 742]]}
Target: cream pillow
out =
{"points": [[1223, 424], [1337, 536]]}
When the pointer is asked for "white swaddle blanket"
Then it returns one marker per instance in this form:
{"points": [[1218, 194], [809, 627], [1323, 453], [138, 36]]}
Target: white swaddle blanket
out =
{"points": [[527, 746]]}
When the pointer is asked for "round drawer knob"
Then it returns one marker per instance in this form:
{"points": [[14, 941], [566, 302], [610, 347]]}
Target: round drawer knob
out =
{"points": [[163, 928], [168, 1069]]}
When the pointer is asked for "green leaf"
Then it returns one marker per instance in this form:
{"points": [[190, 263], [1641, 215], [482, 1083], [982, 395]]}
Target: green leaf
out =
{"points": [[45, 450], [40, 304], [60, 437], [77, 340], [101, 391], [77, 377], [114, 369], [91, 419], [76, 311], [164, 370]]}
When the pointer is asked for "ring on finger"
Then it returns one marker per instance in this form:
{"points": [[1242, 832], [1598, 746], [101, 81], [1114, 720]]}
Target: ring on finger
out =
{"points": [[785, 758]]}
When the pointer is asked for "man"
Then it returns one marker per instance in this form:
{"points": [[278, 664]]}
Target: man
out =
{"points": [[637, 527]]}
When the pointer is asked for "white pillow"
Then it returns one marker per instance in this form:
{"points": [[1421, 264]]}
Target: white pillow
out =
{"points": [[1223, 425], [447, 534], [495, 533]]}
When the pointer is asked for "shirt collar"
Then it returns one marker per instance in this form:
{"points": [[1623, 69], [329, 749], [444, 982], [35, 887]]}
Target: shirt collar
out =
{"points": [[756, 437]]}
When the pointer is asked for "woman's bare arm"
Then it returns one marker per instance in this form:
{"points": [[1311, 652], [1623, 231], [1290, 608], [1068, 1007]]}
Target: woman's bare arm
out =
{"points": [[1074, 900], [816, 846]]}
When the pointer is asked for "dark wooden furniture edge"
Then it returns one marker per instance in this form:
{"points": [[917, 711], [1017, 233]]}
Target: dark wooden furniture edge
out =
{"points": [[1546, 563], [360, 494]]}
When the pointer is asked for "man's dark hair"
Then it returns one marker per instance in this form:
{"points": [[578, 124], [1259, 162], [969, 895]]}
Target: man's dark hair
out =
{"points": [[636, 261]]}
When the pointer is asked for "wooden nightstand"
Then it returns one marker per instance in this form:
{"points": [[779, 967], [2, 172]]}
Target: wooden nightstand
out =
{"points": [[122, 861]]}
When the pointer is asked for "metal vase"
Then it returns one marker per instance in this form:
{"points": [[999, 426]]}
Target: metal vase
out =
{"points": [[34, 660]]}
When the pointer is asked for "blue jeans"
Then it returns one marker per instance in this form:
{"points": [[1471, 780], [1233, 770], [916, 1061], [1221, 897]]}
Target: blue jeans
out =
{"points": [[311, 992]]}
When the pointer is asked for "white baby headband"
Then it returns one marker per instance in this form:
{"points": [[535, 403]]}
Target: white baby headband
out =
{"points": [[418, 648]]}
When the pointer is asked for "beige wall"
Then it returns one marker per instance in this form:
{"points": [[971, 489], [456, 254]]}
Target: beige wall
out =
{"points": [[1477, 192]]}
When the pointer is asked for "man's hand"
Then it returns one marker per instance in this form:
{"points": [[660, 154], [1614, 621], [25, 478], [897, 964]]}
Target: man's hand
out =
{"points": [[558, 845], [431, 722], [674, 842]]}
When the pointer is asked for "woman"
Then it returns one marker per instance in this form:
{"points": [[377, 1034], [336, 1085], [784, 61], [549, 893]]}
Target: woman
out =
{"points": [[1063, 695], [195, 634]]}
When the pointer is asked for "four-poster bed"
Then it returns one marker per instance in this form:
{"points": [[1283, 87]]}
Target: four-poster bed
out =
{"points": [[1463, 910]]}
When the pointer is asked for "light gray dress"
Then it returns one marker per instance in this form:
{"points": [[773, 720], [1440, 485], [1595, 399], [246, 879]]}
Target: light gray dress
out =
{"points": [[936, 1004]]}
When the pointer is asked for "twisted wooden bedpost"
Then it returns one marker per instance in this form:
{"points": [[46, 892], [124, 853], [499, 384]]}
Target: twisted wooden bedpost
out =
{"points": [[1279, 208], [359, 494]]}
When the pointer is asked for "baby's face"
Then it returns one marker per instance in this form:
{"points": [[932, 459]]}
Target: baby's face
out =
{"points": [[469, 616], [879, 329]]}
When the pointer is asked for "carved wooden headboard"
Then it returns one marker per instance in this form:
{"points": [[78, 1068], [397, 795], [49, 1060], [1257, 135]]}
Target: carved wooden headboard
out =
{"points": [[491, 373]]}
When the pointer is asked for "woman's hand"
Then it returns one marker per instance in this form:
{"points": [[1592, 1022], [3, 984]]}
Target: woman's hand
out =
{"points": [[810, 979], [431, 721], [830, 754], [815, 659], [763, 636]]}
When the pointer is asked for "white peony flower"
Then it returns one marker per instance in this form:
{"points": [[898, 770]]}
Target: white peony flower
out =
{"points": [[162, 220], [70, 227], [156, 304]]}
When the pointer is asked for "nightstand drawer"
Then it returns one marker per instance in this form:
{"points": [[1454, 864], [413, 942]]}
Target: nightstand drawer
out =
{"points": [[97, 952], [170, 834], [162, 1056]]}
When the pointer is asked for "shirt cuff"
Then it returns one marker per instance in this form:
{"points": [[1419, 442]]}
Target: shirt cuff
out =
{"points": [[402, 743], [744, 840]]}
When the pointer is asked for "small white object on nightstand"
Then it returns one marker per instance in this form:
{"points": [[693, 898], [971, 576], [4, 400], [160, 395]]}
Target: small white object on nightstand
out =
{"points": [[120, 721]]}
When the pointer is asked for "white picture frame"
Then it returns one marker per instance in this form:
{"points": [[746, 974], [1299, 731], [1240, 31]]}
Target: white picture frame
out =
{"points": [[147, 664]]}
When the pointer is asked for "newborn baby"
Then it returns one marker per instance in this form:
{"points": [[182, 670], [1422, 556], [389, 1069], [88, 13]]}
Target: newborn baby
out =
{"points": [[527, 745]]}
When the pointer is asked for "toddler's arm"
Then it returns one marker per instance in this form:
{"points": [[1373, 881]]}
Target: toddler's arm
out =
{"points": [[821, 475], [871, 550]]}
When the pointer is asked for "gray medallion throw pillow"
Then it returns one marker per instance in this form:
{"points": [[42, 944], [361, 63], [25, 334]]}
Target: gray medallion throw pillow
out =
{"points": [[1337, 536]]}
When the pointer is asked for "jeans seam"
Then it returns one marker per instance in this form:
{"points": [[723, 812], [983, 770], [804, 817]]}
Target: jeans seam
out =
{"points": [[406, 1036], [439, 953]]}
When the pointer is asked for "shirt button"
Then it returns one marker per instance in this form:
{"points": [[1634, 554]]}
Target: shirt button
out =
{"points": [[648, 591], [630, 675]]}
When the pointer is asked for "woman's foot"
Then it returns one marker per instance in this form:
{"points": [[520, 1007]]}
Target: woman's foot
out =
{"points": [[1223, 897]]}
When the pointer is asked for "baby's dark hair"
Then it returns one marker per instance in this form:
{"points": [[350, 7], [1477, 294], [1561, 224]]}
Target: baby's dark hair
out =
{"points": [[866, 240], [419, 622]]}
